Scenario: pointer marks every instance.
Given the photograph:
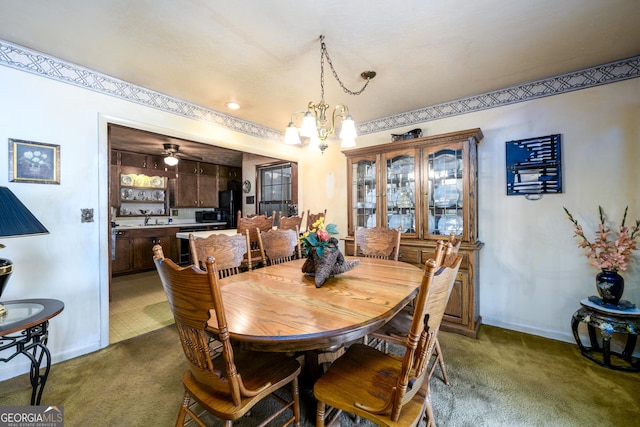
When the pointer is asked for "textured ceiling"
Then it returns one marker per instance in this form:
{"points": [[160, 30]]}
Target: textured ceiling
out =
{"points": [[265, 55]]}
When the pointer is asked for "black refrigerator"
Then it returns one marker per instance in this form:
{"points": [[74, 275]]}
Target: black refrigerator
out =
{"points": [[229, 203]]}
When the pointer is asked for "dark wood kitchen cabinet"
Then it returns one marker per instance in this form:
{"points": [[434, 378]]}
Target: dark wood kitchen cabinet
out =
{"points": [[122, 261], [139, 160], [143, 241], [227, 174], [195, 185], [134, 248]]}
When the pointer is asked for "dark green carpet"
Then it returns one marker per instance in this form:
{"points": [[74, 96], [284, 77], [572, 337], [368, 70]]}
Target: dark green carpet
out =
{"points": [[503, 378]]}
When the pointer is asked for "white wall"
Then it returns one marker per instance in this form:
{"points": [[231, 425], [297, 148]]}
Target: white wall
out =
{"points": [[532, 275]]}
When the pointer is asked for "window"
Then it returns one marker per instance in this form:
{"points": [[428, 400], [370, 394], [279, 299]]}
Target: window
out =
{"points": [[278, 189]]}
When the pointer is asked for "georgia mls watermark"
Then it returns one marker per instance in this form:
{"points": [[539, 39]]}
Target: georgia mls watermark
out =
{"points": [[31, 416]]}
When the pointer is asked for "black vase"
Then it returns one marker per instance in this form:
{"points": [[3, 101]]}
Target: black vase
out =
{"points": [[610, 286]]}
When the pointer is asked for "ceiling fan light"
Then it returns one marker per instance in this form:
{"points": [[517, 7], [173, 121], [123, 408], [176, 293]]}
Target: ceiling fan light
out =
{"points": [[291, 136], [308, 128], [171, 160]]}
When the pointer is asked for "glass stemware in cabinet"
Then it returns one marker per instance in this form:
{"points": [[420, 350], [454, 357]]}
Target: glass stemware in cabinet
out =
{"points": [[401, 200], [363, 190], [446, 198]]}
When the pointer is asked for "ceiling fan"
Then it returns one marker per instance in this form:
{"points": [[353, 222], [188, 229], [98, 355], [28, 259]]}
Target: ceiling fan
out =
{"points": [[171, 150]]}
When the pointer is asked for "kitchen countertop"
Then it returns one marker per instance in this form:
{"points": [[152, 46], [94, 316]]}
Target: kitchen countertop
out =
{"points": [[204, 234], [152, 224]]}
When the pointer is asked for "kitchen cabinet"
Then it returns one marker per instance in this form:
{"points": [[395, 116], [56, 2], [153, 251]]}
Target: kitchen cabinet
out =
{"points": [[227, 174], [428, 187], [139, 160], [114, 186], [122, 261], [195, 185], [134, 248]]}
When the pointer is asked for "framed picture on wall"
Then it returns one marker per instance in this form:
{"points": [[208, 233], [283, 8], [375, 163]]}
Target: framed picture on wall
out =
{"points": [[35, 162]]}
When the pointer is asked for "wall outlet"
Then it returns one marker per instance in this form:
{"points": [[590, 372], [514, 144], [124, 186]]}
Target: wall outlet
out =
{"points": [[174, 212]]}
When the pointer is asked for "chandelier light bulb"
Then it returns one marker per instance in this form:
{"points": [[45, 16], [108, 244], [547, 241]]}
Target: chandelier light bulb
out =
{"points": [[308, 128], [314, 141], [348, 130], [291, 136]]}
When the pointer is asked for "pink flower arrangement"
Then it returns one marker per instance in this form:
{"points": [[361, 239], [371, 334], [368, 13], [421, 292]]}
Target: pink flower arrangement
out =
{"points": [[608, 253]]}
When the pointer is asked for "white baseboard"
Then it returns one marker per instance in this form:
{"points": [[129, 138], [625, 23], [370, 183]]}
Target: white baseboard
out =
{"points": [[20, 364]]}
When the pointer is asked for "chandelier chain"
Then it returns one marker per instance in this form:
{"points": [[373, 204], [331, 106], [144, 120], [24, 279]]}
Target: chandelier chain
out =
{"points": [[325, 54]]}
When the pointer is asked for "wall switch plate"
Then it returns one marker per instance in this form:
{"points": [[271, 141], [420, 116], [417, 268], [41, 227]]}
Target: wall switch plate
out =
{"points": [[174, 212], [250, 200]]}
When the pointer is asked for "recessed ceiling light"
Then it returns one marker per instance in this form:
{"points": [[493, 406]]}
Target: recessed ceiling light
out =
{"points": [[232, 105]]}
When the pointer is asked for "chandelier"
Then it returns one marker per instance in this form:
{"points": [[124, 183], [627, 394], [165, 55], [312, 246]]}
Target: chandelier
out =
{"points": [[319, 121]]}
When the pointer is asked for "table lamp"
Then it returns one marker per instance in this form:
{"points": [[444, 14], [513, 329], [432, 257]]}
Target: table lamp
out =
{"points": [[15, 221]]}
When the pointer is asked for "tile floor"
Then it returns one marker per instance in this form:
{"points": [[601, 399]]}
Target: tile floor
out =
{"points": [[138, 305]]}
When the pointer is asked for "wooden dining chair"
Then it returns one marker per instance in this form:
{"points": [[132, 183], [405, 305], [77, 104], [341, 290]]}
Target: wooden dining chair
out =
{"points": [[290, 222], [277, 246], [385, 389], [229, 386], [248, 226], [228, 251], [377, 242], [396, 330], [311, 218]]}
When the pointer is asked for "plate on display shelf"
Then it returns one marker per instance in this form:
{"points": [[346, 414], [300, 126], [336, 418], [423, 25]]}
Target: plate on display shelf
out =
{"points": [[446, 196], [445, 162], [142, 181], [432, 222], [126, 179], [371, 221], [126, 194], [157, 182], [158, 195], [450, 223]]}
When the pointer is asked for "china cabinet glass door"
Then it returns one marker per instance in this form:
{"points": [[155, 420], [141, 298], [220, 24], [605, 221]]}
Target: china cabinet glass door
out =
{"points": [[400, 196], [445, 192], [364, 192]]}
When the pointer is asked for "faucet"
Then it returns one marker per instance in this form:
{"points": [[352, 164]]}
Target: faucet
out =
{"points": [[146, 219]]}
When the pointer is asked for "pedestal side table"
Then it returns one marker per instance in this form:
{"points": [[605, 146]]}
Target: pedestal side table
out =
{"points": [[24, 329], [608, 321]]}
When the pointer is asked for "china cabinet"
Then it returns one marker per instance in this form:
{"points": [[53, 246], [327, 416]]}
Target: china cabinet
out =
{"points": [[428, 188]]}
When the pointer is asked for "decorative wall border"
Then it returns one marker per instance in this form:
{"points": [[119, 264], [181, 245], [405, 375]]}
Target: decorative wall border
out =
{"points": [[595, 76], [24, 59], [21, 58]]}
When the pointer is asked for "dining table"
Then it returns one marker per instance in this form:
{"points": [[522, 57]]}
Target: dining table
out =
{"points": [[278, 308]]}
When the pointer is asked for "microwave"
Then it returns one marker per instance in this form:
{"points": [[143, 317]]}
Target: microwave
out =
{"points": [[207, 216]]}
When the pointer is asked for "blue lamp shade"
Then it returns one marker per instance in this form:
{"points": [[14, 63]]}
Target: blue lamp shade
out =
{"points": [[15, 218], [15, 221]]}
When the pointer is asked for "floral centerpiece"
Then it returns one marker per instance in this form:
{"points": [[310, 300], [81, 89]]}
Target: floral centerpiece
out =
{"points": [[318, 237], [609, 252], [324, 259]]}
